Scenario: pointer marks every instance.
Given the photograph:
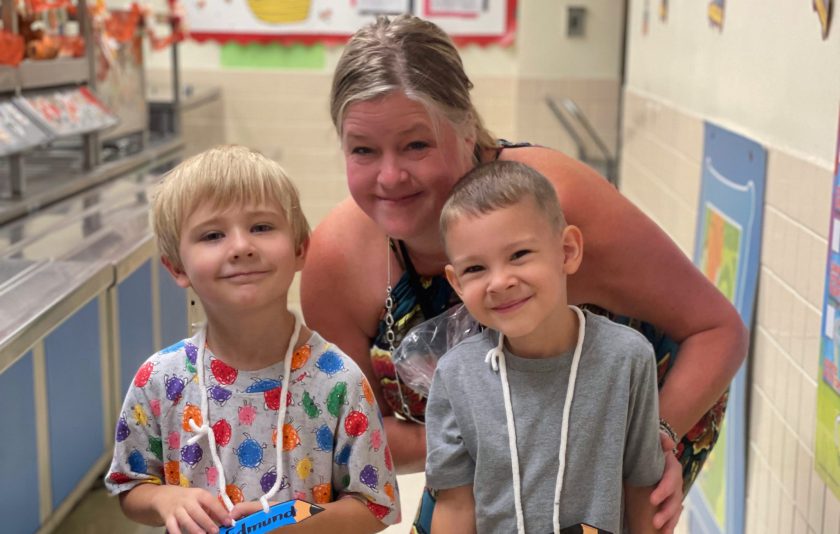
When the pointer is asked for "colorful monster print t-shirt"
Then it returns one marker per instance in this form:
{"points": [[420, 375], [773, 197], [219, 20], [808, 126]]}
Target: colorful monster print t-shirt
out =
{"points": [[332, 439]]}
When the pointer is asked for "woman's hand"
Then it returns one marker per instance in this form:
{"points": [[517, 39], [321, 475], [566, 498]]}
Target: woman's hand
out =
{"points": [[668, 495]]}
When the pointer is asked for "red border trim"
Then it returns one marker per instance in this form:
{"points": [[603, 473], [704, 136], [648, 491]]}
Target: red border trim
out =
{"points": [[427, 11], [505, 39]]}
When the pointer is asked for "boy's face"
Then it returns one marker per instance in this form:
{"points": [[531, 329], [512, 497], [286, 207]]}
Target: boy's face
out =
{"points": [[509, 267], [239, 258]]}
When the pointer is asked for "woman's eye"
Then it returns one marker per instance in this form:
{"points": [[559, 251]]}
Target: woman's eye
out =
{"points": [[417, 145], [519, 254], [361, 151]]}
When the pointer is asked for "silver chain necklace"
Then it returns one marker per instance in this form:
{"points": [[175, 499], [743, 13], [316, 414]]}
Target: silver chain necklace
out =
{"points": [[390, 337]]}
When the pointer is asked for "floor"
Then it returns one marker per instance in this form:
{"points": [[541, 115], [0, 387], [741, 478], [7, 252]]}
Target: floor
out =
{"points": [[98, 513]]}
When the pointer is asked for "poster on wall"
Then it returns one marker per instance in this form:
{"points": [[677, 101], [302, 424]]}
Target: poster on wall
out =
{"points": [[727, 250], [333, 21], [827, 435], [716, 11], [823, 9]]}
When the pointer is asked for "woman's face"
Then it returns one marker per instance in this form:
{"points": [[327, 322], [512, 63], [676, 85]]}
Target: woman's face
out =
{"points": [[401, 163]]}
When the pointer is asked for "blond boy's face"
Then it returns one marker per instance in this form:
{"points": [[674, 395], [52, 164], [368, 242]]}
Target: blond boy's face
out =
{"points": [[238, 259], [509, 267]]}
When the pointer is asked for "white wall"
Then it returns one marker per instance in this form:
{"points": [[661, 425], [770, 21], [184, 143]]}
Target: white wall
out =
{"points": [[546, 51], [768, 75]]}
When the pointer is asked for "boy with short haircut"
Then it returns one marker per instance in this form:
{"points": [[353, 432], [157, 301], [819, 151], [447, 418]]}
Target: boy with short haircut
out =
{"points": [[255, 405], [540, 421]]}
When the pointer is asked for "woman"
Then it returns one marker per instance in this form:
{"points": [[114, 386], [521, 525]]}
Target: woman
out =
{"points": [[401, 105]]}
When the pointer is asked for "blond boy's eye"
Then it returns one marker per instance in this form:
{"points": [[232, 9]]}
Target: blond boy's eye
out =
{"points": [[472, 269], [262, 228], [212, 236]]}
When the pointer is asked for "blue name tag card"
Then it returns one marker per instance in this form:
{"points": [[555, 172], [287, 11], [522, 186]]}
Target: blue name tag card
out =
{"points": [[279, 515]]}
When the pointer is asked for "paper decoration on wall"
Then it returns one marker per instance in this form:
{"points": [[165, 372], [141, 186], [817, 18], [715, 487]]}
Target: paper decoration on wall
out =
{"points": [[827, 435], [716, 11], [823, 9], [663, 10], [332, 22], [728, 251], [646, 17]]}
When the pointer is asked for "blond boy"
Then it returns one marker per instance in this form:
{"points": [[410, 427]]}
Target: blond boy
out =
{"points": [[255, 407]]}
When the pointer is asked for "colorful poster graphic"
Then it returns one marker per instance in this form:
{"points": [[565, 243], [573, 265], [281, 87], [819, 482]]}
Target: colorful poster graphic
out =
{"points": [[716, 12], [331, 22], [827, 436], [823, 9], [727, 250], [719, 256]]}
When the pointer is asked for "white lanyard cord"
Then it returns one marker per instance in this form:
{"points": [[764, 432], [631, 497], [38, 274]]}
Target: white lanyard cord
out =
{"points": [[496, 358], [281, 415]]}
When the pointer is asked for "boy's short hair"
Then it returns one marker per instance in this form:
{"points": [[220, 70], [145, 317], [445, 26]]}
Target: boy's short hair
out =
{"points": [[500, 184], [225, 176]]}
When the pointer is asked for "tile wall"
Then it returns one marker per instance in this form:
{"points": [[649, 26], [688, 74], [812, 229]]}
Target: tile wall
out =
{"points": [[660, 171]]}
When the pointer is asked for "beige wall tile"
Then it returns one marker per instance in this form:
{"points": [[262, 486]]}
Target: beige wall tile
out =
{"points": [[804, 468], [816, 502], [831, 517], [807, 409]]}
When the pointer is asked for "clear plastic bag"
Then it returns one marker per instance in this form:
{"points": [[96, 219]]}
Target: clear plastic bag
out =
{"points": [[416, 357]]}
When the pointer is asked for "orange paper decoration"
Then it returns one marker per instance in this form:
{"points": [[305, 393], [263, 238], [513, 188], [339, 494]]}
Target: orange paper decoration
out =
{"points": [[12, 48]]}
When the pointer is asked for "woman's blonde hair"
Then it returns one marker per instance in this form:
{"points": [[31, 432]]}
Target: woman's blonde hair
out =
{"points": [[225, 176], [497, 185], [411, 55]]}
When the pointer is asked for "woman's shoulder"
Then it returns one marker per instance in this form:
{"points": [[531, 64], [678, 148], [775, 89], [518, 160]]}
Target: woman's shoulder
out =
{"points": [[345, 265], [342, 250], [562, 170], [345, 228]]}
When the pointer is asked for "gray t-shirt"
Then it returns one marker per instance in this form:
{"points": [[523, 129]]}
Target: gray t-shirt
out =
{"points": [[613, 429]]}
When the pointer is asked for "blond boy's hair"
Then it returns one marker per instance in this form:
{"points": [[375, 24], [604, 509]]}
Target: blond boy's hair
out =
{"points": [[224, 176], [497, 185]]}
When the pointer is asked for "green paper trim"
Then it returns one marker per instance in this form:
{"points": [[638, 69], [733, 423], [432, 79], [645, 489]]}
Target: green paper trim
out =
{"points": [[273, 56]]}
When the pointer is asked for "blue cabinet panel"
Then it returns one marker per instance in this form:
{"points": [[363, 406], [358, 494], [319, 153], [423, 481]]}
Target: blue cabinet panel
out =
{"points": [[173, 309], [134, 301], [19, 496], [74, 399]]}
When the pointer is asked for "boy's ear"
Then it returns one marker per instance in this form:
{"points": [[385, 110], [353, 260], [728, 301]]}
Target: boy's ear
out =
{"points": [[300, 254], [177, 273], [452, 279], [572, 243]]}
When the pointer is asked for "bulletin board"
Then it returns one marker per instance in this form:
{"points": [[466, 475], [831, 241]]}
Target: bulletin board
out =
{"points": [[727, 250], [827, 436], [333, 21]]}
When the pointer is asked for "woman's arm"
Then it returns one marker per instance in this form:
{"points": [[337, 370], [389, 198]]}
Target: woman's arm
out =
{"points": [[454, 511], [633, 268], [342, 294]]}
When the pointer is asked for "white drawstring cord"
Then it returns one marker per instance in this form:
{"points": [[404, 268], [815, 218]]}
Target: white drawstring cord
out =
{"points": [[496, 358], [281, 415], [567, 409], [205, 429]]}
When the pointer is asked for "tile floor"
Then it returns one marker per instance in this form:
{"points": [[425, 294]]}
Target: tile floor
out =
{"points": [[97, 513]]}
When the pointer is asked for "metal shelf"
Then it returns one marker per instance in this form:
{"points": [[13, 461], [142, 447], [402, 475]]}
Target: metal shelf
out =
{"points": [[35, 74]]}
